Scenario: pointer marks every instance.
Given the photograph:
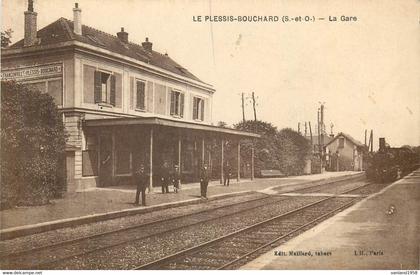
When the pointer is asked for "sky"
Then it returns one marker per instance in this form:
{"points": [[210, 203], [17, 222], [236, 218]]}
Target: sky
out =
{"points": [[367, 72]]}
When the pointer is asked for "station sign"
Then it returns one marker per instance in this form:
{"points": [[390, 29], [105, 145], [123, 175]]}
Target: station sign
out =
{"points": [[25, 73]]}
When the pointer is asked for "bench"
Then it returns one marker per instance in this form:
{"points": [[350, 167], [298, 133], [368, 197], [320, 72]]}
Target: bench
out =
{"points": [[272, 173]]}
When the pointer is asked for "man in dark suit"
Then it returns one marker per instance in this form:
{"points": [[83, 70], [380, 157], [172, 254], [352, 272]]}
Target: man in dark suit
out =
{"points": [[176, 178], [140, 178], [227, 173], [165, 178], [204, 181]]}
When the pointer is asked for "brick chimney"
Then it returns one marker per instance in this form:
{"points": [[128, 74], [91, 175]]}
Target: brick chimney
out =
{"points": [[382, 144], [77, 19], [30, 37], [147, 45], [122, 35]]}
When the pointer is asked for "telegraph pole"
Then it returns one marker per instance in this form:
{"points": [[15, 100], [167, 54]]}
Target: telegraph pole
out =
{"points": [[243, 108], [253, 105], [365, 136], [310, 132], [322, 131], [319, 140], [371, 141], [322, 127]]}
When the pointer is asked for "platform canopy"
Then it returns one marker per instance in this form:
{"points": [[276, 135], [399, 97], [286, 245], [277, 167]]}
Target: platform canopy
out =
{"points": [[157, 121], [165, 142]]}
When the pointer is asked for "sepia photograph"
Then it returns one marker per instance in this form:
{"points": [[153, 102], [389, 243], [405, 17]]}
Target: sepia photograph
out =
{"points": [[210, 135]]}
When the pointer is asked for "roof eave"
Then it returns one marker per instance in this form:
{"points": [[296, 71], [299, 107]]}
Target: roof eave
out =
{"points": [[155, 121], [10, 52]]}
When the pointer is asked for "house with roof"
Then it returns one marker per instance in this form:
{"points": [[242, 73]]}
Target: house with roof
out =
{"points": [[123, 104], [316, 141], [345, 153]]}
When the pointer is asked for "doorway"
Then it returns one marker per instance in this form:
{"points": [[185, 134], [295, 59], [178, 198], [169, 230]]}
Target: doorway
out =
{"points": [[106, 161]]}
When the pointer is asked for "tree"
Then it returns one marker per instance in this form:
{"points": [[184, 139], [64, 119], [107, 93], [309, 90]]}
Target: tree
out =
{"points": [[285, 150], [6, 38], [265, 150], [293, 150], [32, 147]]}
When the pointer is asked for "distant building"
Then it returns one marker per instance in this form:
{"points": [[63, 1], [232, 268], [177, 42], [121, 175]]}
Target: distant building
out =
{"points": [[122, 103], [316, 141], [345, 153]]}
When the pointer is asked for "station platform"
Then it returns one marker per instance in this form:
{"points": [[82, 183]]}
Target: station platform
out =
{"points": [[106, 203], [379, 232]]}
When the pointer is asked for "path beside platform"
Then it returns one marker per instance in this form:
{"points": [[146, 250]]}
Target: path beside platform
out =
{"points": [[380, 232], [103, 201]]}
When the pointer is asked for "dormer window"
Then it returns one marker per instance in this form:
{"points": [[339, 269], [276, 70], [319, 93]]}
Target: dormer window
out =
{"points": [[95, 40], [181, 70]]}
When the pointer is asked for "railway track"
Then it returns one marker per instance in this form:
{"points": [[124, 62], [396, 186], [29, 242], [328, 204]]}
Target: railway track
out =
{"points": [[53, 253], [331, 187], [237, 248], [121, 230], [61, 251], [228, 250]]}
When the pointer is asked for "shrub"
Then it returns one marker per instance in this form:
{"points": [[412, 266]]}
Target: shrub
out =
{"points": [[265, 149], [293, 150], [32, 147], [285, 150]]}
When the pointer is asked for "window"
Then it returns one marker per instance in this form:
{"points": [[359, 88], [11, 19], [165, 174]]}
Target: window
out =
{"points": [[177, 104], [104, 88], [140, 95], [90, 157], [341, 142], [198, 108]]}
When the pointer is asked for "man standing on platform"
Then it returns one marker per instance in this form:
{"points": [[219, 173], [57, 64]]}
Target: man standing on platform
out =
{"points": [[204, 181], [141, 179], [176, 178], [227, 172], [165, 178]]}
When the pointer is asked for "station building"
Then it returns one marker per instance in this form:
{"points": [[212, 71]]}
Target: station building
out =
{"points": [[123, 104], [345, 153]]}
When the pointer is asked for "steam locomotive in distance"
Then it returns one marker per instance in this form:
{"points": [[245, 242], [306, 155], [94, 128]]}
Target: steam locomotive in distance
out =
{"points": [[389, 163]]}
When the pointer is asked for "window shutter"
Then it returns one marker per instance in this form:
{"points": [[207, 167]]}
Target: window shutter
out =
{"points": [[98, 87], [131, 93], [172, 111], [149, 96], [202, 109], [112, 95], [181, 105], [195, 106], [140, 95]]}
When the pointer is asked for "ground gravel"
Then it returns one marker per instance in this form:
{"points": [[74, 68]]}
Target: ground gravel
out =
{"points": [[69, 233], [139, 252]]}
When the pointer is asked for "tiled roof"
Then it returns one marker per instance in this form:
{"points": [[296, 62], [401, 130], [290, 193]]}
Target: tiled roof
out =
{"points": [[61, 30], [327, 139], [347, 136]]}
